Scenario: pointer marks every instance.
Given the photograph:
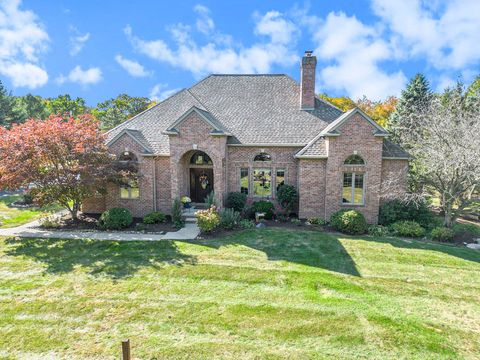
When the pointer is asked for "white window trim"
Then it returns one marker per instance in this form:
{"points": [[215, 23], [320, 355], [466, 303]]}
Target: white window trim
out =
{"points": [[352, 195], [129, 193]]}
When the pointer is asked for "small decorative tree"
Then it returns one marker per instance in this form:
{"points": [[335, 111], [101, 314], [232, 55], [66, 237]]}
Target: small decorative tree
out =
{"points": [[287, 197], [62, 160]]}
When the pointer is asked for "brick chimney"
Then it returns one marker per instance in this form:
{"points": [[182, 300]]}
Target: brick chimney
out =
{"points": [[307, 81]]}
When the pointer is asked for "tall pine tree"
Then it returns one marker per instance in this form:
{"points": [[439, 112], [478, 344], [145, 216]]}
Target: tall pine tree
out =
{"points": [[415, 99], [9, 113]]}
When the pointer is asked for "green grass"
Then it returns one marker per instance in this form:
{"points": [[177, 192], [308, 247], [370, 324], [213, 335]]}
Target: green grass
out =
{"points": [[258, 294], [10, 217]]}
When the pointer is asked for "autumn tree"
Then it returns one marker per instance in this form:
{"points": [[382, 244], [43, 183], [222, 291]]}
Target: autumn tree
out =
{"points": [[115, 111], [66, 160], [442, 136]]}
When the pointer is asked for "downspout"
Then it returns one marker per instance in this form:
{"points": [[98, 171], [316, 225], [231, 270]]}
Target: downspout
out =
{"points": [[154, 183]]}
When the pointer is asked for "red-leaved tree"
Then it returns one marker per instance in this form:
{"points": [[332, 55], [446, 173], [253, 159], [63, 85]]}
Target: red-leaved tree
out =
{"points": [[63, 160]]}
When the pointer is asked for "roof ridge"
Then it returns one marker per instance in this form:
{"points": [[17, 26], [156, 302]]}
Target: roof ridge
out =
{"points": [[207, 110], [147, 109]]}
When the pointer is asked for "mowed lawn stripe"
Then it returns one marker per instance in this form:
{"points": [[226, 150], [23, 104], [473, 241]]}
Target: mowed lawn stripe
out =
{"points": [[256, 294]]}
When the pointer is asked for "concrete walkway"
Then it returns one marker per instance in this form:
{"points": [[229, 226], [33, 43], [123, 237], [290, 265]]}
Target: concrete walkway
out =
{"points": [[32, 230]]}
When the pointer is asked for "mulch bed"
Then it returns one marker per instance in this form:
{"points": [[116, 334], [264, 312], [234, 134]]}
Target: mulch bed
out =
{"points": [[88, 222]]}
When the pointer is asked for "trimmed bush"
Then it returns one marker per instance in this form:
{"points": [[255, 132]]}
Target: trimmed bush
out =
{"points": [[177, 213], [377, 230], [442, 234], [229, 218], [349, 222], [317, 221], [236, 201], [115, 219], [287, 196], [155, 217], [296, 221], [396, 210], [246, 224], [408, 228], [208, 220], [263, 206]]}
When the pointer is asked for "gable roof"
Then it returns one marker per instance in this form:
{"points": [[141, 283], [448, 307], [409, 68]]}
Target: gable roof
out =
{"points": [[254, 109], [394, 151], [136, 135], [218, 128], [332, 128]]}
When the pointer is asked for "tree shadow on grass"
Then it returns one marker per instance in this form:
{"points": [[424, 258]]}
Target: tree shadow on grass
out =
{"points": [[114, 259], [311, 248]]}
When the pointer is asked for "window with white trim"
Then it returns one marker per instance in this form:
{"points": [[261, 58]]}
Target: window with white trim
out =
{"points": [[130, 190], [262, 182], [280, 178], [353, 189], [244, 181]]}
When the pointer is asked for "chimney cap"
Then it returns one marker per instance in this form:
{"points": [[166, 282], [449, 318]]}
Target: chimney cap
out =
{"points": [[308, 53]]}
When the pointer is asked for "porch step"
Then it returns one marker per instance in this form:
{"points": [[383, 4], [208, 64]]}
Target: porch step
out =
{"points": [[189, 215]]}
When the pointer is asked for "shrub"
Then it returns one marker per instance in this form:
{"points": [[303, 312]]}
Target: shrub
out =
{"points": [[408, 228], [177, 213], [229, 218], [296, 221], [116, 219], [236, 201], [210, 200], [265, 207], [208, 220], [282, 217], [155, 217], [349, 222], [287, 196], [396, 210], [377, 230], [51, 222], [27, 199], [442, 234], [317, 221], [246, 224]]}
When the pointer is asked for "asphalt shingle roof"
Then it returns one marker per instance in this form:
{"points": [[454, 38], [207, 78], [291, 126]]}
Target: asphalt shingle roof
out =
{"points": [[254, 109], [391, 150]]}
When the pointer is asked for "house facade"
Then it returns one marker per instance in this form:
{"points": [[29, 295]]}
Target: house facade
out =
{"points": [[251, 134]]}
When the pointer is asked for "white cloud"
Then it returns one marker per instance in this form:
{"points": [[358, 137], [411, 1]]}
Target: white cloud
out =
{"points": [[160, 92], [132, 67], [77, 42], [204, 23], [22, 39], [83, 77], [218, 55], [446, 33], [353, 52]]}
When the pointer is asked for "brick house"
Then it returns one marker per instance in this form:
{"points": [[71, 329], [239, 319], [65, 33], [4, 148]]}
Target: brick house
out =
{"points": [[252, 133]]}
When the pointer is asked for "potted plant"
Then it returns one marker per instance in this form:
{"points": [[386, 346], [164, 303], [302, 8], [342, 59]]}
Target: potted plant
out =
{"points": [[186, 202]]}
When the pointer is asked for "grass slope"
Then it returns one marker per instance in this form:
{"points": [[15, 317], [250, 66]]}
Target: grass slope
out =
{"points": [[256, 294], [10, 217]]}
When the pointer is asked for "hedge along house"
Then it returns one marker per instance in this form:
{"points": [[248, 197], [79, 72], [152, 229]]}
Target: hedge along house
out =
{"points": [[252, 133]]}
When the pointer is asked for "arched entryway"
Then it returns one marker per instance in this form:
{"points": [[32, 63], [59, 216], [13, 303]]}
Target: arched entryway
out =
{"points": [[201, 176]]}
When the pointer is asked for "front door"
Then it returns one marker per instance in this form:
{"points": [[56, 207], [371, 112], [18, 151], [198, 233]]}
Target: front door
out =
{"points": [[201, 184]]}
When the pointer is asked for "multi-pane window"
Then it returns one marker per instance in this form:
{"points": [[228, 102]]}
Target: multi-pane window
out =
{"points": [[244, 181], [280, 178], [353, 189], [262, 182], [130, 191]]}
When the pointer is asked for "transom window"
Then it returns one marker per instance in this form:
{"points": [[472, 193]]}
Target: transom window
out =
{"points": [[353, 189], [354, 160], [200, 158], [262, 157]]}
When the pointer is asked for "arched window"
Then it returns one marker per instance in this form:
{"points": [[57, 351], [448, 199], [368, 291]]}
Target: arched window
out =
{"points": [[200, 158], [262, 157], [354, 160], [127, 161]]}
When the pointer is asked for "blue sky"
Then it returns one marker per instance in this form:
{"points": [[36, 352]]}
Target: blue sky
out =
{"points": [[98, 49]]}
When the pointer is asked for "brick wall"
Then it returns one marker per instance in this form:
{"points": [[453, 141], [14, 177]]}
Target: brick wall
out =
{"points": [[394, 178], [311, 186], [195, 131], [242, 157]]}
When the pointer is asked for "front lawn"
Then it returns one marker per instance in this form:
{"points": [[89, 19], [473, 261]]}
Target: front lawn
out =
{"points": [[10, 216], [272, 293]]}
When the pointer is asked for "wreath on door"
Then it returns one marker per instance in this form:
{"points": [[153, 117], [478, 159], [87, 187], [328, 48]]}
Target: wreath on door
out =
{"points": [[203, 181]]}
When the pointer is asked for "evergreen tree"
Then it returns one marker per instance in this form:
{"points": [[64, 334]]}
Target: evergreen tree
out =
{"points": [[9, 113], [415, 98]]}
